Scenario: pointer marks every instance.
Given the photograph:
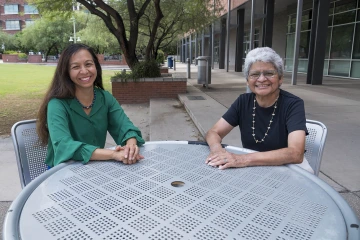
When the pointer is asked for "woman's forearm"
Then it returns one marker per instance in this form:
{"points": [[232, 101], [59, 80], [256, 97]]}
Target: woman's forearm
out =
{"points": [[274, 157], [102, 154], [213, 140]]}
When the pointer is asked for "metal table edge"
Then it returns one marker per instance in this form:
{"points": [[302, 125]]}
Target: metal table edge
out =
{"points": [[351, 220], [12, 218]]}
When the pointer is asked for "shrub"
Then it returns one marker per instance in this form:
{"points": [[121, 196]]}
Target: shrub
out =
{"points": [[160, 57], [144, 69], [10, 52], [22, 56]]}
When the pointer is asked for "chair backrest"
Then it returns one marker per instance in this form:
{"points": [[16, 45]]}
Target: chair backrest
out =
{"points": [[30, 155], [315, 143]]}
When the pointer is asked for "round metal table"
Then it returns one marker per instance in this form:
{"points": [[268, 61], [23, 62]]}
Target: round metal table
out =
{"points": [[173, 194]]}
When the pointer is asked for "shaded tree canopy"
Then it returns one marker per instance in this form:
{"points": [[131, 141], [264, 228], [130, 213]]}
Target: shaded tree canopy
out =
{"points": [[122, 19]]}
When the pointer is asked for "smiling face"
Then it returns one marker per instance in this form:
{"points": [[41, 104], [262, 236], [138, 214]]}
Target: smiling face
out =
{"points": [[82, 69], [263, 79]]}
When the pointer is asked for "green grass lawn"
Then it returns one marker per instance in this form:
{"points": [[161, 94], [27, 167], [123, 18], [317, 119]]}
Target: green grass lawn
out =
{"points": [[22, 87]]}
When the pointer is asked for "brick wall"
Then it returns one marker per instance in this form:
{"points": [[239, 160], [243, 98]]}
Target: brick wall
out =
{"points": [[10, 58], [145, 89], [34, 59]]}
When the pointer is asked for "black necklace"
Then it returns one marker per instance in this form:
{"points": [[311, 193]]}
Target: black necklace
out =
{"points": [[92, 104]]}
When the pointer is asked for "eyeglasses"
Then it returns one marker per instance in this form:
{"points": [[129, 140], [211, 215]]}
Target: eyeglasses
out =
{"points": [[267, 74]]}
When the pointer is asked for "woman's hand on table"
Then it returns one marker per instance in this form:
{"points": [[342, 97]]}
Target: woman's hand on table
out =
{"points": [[224, 159], [131, 152]]}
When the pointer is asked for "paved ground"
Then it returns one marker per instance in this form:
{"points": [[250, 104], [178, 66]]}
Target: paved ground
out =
{"points": [[336, 103]]}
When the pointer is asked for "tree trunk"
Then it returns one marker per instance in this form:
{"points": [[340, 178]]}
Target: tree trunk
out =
{"points": [[114, 22], [159, 16]]}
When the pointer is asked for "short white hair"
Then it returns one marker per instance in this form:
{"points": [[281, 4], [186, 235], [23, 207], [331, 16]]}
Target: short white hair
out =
{"points": [[263, 54]]}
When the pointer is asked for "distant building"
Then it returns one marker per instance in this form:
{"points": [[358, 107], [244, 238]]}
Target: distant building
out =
{"points": [[15, 15], [329, 42]]}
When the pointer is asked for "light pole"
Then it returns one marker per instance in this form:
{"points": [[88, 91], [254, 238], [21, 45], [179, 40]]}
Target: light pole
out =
{"points": [[74, 38]]}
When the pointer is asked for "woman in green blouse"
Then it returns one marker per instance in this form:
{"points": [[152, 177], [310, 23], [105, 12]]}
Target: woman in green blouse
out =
{"points": [[77, 112]]}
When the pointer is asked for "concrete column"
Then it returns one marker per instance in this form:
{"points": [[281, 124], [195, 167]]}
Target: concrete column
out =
{"points": [[239, 40], [222, 44], [268, 23], [228, 35], [210, 44], [318, 42], [297, 43]]}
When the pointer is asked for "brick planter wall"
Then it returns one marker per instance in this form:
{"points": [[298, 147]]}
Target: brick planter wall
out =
{"points": [[34, 59], [144, 89], [10, 58], [164, 70]]}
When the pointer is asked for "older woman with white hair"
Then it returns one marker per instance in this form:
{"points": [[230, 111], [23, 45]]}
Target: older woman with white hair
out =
{"points": [[271, 120]]}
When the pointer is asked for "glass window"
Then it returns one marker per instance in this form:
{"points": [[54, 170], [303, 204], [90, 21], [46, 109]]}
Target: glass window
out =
{"points": [[341, 41], [339, 68], [303, 65], [304, 44], [330, 20], [29, 22], [327, 47], [290, 42], [305, 25], [288, 64], [344, 5], [291, 28], [306, 15], [29, 9], [344, 17], [11, 9], [355, 69], [331, 8], [326, 67], [12, 25], [292, 18], [356, 51]]}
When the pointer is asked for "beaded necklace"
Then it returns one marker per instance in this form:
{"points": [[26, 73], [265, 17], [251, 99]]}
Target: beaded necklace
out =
{"points": [[90, 106], [268, 128]]}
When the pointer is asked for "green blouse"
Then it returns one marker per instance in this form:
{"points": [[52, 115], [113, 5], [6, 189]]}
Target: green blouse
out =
{"points": [[75, 135]]}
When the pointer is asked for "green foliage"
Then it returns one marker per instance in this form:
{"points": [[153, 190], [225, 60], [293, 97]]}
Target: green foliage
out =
{"points": [[9, 41], [143, 69], [47, 34], [10, 52], [22, 56], [160, 58], [96, 34]]}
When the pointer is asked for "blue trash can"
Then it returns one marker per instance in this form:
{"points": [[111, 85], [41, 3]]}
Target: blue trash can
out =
{"points": [[170, 62]]}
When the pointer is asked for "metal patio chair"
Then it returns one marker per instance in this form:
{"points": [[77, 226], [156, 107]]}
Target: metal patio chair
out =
{"points": [[30, 155], [315, 142]]}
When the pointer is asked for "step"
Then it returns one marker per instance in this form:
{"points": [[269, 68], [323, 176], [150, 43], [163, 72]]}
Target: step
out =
{"points": [[170, 121]]}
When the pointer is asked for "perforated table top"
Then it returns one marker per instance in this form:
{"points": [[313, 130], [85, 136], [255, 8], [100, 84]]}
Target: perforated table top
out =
{"points": [[173, 194]]}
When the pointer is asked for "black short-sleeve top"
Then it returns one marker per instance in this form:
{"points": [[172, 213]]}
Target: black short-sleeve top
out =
{"points": [[289, 116]]}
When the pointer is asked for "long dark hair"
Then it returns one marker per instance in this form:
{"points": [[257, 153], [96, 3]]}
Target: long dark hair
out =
{"points": [[62, 86]]}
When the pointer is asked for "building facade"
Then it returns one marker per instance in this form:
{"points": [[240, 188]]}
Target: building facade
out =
{"points": [[15, 15], [328, 43]]}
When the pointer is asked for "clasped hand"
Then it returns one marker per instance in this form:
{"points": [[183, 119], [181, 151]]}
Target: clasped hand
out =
{"points": [[128, 154]]}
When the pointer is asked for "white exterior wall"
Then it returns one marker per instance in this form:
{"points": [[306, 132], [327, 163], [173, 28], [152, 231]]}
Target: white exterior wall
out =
{"points": [[279, 33]]}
